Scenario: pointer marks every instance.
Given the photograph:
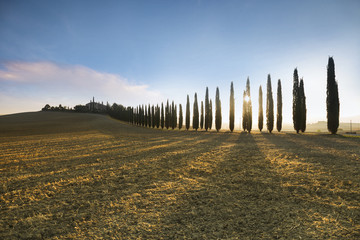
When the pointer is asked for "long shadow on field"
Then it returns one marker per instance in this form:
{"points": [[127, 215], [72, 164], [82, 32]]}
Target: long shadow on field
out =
{"points": [[241, 197], [324, 184]]}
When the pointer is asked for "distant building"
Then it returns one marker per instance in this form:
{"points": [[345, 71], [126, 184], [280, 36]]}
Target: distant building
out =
{"points": [[96, 106]]}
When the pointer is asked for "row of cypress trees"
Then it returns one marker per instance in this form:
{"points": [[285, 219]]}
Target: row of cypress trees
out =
{"points": [[299, 104], [154, 116]]}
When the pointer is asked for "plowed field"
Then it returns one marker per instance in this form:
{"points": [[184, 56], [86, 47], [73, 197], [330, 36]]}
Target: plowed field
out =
{"points": [[67, 175]]}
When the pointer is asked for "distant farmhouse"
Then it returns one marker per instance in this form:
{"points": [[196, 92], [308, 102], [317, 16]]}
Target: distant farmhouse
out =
{"points": [[93, 106]]}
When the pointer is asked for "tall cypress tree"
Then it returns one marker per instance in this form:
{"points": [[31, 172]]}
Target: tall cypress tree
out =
{"points": [[279, 107], [143, 116], [244, 113], [187, 115], [296, 102], [152, 116], [202, 116], [195, 114], [302, 106], [167, 115], [207, 109], [172, 115], [218, 117], [146, 117], [175, 116], [249, 107], [162, 120], [157, 116], [332, 98], [269, 106], [180, 117], [261, 115], [210, 115], [232, 108]]}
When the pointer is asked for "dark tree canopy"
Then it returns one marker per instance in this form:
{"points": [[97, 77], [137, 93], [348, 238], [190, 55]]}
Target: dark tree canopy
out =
{"points": [[162, 120], [279, 107], [143, 116], [173, 115], [157, 116], [244, 114], [332, 98], [195, 114], [180, 117], [146, 118], [210, 115], [269, 106], [261, 115], [149, 116], [153, 116], [247, 108], [202, 116], [232, 108], [296, 102], [167, 115], [187, 115], [218, 117], [302, 106], [207, 109]]}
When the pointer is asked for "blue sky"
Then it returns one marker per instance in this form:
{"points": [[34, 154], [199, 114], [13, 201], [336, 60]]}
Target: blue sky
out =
{"points": [[132, 52]]}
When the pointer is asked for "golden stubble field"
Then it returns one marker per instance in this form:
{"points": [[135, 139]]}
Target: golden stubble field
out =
{"points": [[67, 175]]}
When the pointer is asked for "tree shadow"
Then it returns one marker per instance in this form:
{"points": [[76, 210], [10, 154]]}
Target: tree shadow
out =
{"points": [[241, 198], [324, 183]]}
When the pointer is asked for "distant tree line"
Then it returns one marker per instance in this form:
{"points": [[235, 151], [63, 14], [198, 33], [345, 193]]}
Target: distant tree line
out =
{"points": [[171, 117], [59, 108]]}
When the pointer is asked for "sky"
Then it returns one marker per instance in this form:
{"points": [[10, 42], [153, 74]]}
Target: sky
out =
{"points": [[141, 52]]}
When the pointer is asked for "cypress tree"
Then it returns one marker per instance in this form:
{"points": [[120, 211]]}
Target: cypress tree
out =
{"points": [[152, 116], [143, 116], [195, 114], [302, 106], [269, 106], [157, 116], [180, 117], [261, 115], [296, 102], [202, 116], [136, 115], [146, 117], [175, 117], [172, 115], [232, 108], [279, 107], [210, 115], [207, 109], [217, 110], [162, 120], [249, 107], [244, 113], [332, 98], [167, 115], [149, 116], [187, 115]]}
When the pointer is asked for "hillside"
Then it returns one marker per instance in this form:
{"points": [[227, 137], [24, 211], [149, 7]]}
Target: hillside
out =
{"points": [[66, 175]]}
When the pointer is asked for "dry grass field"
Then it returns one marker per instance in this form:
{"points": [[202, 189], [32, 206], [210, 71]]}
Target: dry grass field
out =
{"points": [[67, 175]]}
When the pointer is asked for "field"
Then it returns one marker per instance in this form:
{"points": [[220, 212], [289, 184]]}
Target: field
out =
{"points": [[67, 175]]}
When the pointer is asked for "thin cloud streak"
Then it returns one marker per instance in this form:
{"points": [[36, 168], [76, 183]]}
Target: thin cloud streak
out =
{"points": [[43, 81]]}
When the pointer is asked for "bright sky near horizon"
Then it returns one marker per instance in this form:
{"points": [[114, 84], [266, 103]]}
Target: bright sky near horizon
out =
{"points": [[137, 52]]}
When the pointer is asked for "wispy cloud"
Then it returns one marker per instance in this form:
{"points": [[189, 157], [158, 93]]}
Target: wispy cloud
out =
{"points": [[47, 80]]}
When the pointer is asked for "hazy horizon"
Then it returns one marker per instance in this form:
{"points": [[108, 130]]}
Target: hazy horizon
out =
{"points": [[144, 52]]}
